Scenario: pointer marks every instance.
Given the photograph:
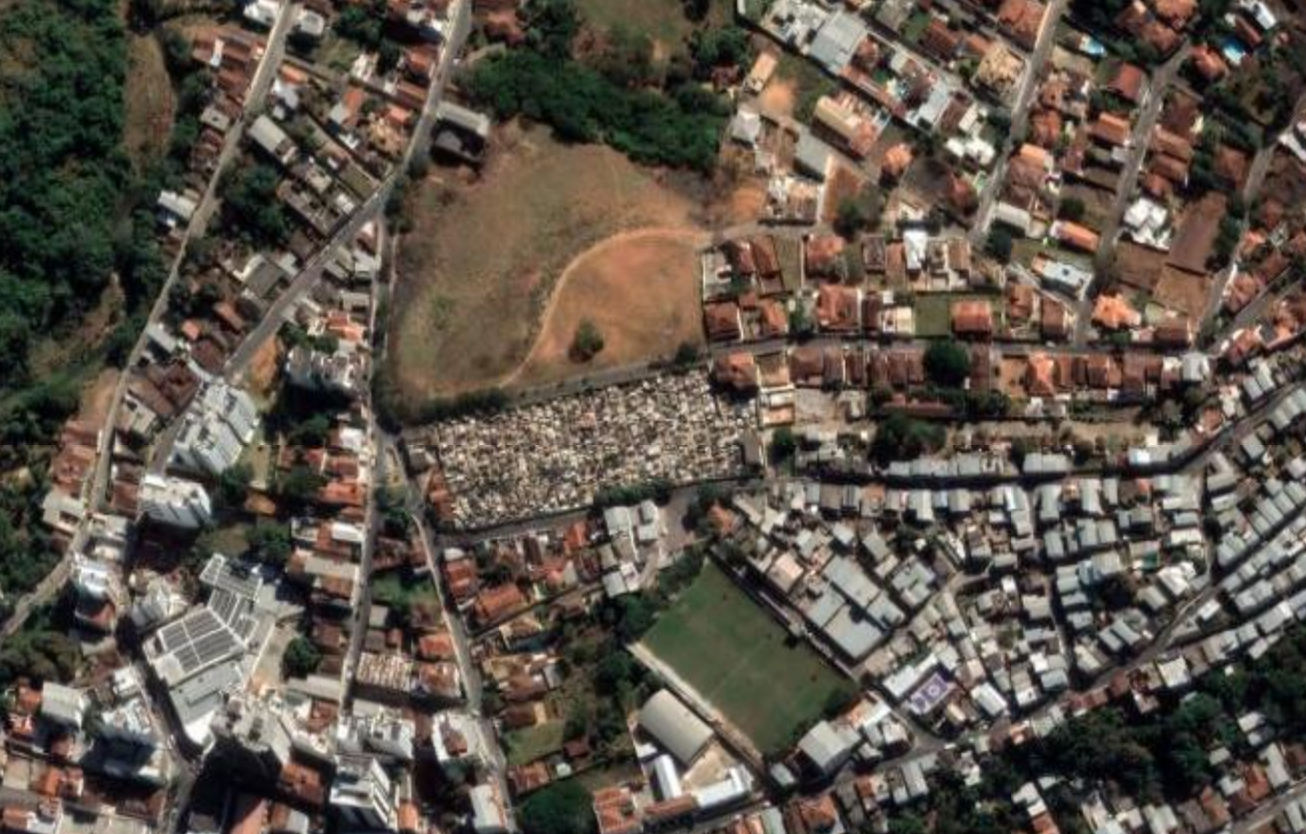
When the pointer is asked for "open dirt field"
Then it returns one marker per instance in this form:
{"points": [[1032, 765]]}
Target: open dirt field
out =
{"points": [[1187, 292], [1138, 266], [148, 101], [639, 288], [1195, 238], [97, 397], [477, 270]]}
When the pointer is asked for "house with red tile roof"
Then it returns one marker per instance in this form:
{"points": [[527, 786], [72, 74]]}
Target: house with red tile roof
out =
{"points": [[972, 318], [1075, 236], [1128, 82]]}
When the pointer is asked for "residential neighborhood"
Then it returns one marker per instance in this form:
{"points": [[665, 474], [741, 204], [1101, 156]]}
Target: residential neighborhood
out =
{"points": [[641, 416]]}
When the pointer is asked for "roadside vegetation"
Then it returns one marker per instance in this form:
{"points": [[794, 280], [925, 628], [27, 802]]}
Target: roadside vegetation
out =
{"points": [[621, 97]]}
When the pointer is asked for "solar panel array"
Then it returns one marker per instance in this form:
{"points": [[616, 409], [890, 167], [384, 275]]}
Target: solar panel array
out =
{"points": [[198, 640], [233, 577]]}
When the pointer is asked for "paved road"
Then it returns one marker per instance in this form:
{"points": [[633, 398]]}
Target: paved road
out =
{"points": [[1140, 140], [1260, 168], [312, 272], [1019, 118], [1266, 814], [259, 87], [363, 610], [304, 282], [98, 485], [626, 374]]}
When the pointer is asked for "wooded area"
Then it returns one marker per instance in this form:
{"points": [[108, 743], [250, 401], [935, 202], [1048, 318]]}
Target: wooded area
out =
{"points": [[619, 101]]}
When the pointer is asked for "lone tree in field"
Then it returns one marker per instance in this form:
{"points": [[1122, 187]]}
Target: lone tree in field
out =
{"points": [[587, 343]]}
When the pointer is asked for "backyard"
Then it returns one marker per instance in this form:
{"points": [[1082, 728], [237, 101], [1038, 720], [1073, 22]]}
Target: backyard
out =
{"points": [[405, 595], [934, 311], [725, 646], [530, 743]]}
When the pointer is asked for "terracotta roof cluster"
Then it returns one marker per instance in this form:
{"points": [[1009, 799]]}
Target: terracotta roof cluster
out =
{"points": [[1127, 82], [615, 809], [497, 602], [837, 309], [940, 40], [736, 371], [721, 321], [1208, 63], [1049, 374], [1022, 20], [972, 318], [823, 256], [896, 161], [1169, 158], [1110, 129], [755, 258], [1114, 312], [1160, 25], [1078, 237]]}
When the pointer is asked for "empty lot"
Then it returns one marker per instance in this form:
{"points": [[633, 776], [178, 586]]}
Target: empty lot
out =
{"points": [[476, 272], [639, 288]]}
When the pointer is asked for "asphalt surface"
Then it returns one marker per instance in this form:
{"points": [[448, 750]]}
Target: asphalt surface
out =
{"points": [[1019, 118], [104, 453], [1140, 140], [309, 276]]}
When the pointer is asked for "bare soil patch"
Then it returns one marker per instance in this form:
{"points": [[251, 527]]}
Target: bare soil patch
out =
{"points": [[149, 103], [477, 269], [639, 288], [1195, 237], [779, 96], [1138, 266], [844, 184], [1187, 292], [264, 370], [97, 397]]}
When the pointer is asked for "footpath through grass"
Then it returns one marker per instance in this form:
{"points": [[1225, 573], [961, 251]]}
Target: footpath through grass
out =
{"points": [[736, 656]]}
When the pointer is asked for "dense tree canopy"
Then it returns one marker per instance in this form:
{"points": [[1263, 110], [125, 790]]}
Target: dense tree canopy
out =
{"points": [[561, 808], [250, 204], [901, 437], [62, 172], [947, 363], [302, 658], [583, 106], [271, 543]]}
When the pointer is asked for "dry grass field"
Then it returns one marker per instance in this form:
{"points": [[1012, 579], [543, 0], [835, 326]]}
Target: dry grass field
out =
{"points": [[477, 270], [639, 288], [149, 103], [662, 20]]}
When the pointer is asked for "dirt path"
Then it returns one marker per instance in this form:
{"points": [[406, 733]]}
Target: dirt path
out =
{"points": [[667, 234]]}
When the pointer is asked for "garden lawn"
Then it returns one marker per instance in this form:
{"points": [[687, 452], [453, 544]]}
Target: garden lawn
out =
{"points": [[934, 311], [730, 650], [531, 743]]}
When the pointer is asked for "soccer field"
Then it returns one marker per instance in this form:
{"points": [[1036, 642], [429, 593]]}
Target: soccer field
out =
{"points": [[720, 642]]}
